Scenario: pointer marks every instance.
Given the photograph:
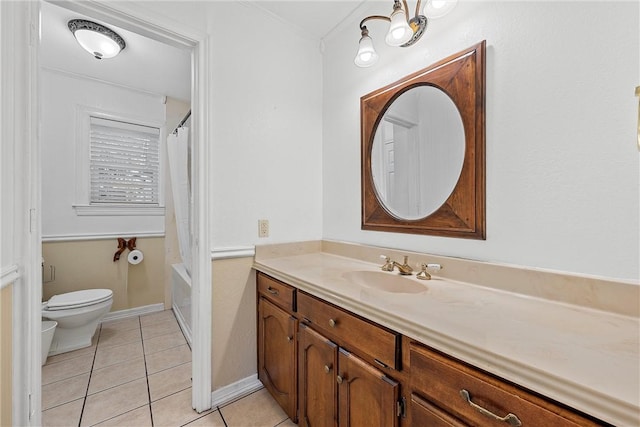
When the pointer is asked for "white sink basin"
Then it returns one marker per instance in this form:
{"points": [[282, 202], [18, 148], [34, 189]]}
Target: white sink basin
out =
{"points": [[385, 281]]}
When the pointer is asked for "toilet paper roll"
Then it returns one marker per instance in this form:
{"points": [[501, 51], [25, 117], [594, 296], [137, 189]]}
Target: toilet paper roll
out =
{"points": [[135, 257]]}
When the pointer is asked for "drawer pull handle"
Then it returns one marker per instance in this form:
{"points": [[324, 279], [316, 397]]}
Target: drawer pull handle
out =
{"points": [[272, 291], [327, 368], [510, 419], [332, 323], [339, 379]]}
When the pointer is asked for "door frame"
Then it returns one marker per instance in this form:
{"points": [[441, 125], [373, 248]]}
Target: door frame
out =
{"points": [[161, 28]]}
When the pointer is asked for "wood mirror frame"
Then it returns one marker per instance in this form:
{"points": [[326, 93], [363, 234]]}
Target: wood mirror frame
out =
{"points": [[462, 77]]}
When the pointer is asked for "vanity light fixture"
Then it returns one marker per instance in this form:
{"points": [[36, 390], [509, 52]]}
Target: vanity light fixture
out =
{"points": [[403, 30], [98, 40]]}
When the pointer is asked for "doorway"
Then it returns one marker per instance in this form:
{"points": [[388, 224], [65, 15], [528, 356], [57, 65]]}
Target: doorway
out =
{"points": [[168, 32]]}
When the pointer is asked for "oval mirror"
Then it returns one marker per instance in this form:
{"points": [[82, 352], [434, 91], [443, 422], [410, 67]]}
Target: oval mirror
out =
{"points": [[417, 152], [423, 150]]}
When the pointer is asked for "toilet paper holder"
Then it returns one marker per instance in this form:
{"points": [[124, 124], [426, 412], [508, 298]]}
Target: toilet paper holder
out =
{"points": [[124, 244]]}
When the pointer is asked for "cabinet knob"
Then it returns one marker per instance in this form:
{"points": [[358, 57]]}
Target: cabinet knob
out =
{"points": [[327, 368], [289, 338], [339, 379], [332, 323]]}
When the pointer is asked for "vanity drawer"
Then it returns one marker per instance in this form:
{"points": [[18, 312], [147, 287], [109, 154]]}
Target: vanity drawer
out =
{"points": [[441, 380], [370, 341], [277, 292]]}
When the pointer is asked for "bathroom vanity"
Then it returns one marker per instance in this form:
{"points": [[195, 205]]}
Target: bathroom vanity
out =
{"points": [[338, 345]]}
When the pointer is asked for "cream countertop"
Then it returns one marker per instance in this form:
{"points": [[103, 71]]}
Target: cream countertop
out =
{"points": [[581, 356]]}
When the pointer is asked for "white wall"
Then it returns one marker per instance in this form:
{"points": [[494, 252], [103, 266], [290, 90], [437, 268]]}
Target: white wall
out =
{"points": [[266, 121], [62, 95], [267, 129], [562, 166]]}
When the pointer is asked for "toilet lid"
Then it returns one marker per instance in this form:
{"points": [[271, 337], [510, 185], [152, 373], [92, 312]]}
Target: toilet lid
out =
{"points": [[79, 298]]}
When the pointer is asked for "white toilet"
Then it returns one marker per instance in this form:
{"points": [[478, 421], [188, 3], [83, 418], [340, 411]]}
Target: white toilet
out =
{"points": [[78, 315]]}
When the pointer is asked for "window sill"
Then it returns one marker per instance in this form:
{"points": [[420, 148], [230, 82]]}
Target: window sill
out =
{"points": [[118, 210]]}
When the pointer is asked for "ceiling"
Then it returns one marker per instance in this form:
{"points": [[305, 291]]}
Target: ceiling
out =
{"points": [[155, 67], [144, 64], [316, 18]]}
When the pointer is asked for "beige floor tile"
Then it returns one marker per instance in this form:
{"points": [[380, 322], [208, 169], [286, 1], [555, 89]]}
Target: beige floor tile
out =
{"points": [[118, 337], [158, 317], [59, 392], [258, 409], [212, 420], [166, 359], [63, 415], [111, 355], [160, 328], [163, 342], [114, 375], [174, 410], [114, 401], [169, 381], [140, 417], [66, 369], [123, 324], [75, 353]]}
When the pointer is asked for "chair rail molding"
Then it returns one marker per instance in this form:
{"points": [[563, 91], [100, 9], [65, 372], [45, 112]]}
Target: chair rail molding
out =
{"points": [[8, 275]]}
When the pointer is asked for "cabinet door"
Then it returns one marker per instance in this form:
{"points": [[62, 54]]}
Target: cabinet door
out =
{"points": [[367, 397], [317, 361], [277, 355]]}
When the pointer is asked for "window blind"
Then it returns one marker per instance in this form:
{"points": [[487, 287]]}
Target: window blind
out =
{"points": [[124, 162]]}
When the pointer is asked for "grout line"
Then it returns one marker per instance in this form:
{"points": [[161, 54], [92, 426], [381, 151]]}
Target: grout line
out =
{"points": [[166, 369], [86, 393], [117, 415], [222, 416], [146, 372]]}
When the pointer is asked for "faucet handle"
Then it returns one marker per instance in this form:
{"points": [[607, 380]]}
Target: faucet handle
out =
{"points": [[423, 272], [388, 264]]}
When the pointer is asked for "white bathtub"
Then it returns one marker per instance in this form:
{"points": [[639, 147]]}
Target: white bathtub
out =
{"points": [[181, 297]]}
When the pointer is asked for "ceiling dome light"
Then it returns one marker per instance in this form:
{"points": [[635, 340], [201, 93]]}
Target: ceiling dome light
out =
{"points": [[439, 8], [96, 39]]}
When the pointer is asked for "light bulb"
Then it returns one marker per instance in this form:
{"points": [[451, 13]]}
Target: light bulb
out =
{"points": [[366, 55], [399, 30], [439, 8]]}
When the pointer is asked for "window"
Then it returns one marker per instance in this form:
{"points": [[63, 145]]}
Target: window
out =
{"points": [[124, 166]]}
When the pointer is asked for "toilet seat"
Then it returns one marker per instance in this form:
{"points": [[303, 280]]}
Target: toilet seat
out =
{"points": [[78, 299]]}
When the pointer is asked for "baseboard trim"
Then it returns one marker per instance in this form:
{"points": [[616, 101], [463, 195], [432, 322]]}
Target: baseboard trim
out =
{"points": [[132, 312], [235, 391], [184, 326]]}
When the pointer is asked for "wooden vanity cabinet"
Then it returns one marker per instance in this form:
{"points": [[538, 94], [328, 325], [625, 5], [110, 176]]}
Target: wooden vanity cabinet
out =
{"points": [[445, 392], [277, 339], [337, 388], [328, 367]]}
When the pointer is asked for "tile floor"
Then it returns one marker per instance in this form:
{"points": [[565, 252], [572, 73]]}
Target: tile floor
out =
{"points": [[138, 373]]}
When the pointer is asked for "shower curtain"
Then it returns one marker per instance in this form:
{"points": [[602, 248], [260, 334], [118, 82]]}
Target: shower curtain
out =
{"points": [[178, 153]]}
